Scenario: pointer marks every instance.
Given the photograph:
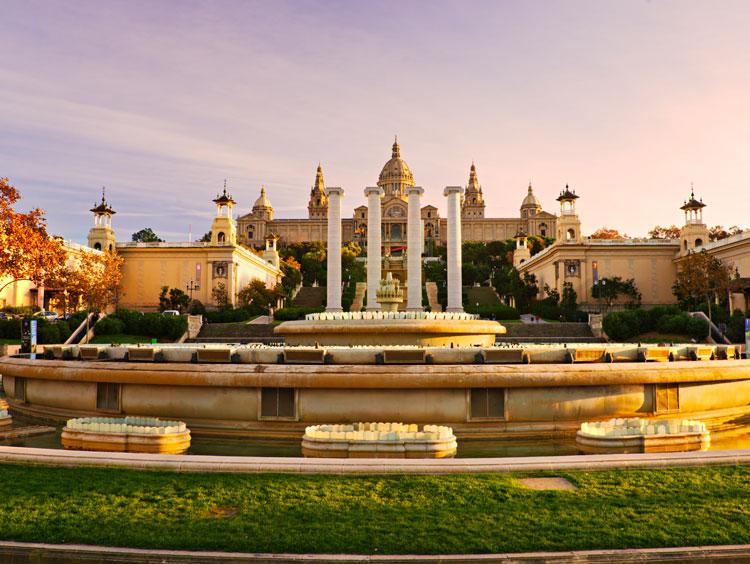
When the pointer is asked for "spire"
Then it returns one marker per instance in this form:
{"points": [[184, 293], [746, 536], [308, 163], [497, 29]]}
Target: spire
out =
{"points": [[319, 185], [396, 154], [473, 181]]}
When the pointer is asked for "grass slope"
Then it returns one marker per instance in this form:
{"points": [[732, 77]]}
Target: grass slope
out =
{"points": [[374, 515]]}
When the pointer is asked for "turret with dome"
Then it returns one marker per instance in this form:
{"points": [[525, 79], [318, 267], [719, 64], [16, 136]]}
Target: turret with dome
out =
{"points": [[396, 175]]}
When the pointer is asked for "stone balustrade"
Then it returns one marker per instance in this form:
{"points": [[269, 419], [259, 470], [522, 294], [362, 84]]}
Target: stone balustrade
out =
{"points": [[128, 425]]}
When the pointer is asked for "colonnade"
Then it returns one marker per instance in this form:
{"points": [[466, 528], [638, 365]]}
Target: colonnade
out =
{"points": [[415, 241]]}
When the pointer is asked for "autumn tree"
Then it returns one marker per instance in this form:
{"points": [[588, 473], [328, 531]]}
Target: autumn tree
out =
{"points": [[717, 232], [605, 233], [27, 252], [701, 278], [97, 278], [671, 232]]}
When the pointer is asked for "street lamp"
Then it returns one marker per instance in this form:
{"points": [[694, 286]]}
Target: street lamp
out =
{"points": [[190, 287]]}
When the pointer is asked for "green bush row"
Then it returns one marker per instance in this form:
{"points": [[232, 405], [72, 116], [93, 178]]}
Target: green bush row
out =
{"points": [[623, 325], [295, 313], [125, 321], [233, 315], [47, 333], [498, 311]]}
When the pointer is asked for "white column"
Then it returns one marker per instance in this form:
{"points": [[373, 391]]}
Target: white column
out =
{"points": [[374, 194], [453, 194], [333, 292], [414, 250]]}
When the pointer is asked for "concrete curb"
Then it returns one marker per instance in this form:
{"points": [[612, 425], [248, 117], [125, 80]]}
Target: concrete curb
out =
{"points": [[290, 465], [40, 553]]}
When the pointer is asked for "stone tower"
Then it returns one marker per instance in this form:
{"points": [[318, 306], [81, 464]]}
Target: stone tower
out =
{"points": [[694, 233], [317, 208], [521, 253], [101, 235], [568, 224], [223, 229], [473, 200]]}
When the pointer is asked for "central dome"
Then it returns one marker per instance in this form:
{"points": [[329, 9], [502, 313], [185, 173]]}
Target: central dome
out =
{"points": [[396, 174]]}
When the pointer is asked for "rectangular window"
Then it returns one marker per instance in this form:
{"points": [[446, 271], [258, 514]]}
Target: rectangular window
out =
{"points": [[108, 396], [19, 388], [278, 403], [666, 397], [487, 403]]}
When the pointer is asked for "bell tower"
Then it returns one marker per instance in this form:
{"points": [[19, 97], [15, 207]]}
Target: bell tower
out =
{"points": [[568, 224], [317, 207], [101, 235], [473, 200], [694, 233], [223, 229], [521, 253]]}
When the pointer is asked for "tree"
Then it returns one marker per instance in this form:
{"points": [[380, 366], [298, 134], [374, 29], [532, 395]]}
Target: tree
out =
{"points": [[173, 298], [671, 232], [701, 277], [146, 235], [717, 232], [27, 252], [604, 233], [257, 295], [97, 278], [569, 300], [220, 295], [292, 276], [609, 289], [206, 238]]}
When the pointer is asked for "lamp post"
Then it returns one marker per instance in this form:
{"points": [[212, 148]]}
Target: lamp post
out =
{"points": [[190, 287]]}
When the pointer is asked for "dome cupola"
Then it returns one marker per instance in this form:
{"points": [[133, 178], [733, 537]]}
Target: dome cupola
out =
{"points": [[396, 175]]}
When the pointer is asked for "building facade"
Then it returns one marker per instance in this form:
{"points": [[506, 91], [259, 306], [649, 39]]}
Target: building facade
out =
{"points": [[395, 178]]}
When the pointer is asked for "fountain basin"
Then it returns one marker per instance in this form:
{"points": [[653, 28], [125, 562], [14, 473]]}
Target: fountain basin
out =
{"points": [[126, 434], [378, 440], [389, 332], [636, 434]]}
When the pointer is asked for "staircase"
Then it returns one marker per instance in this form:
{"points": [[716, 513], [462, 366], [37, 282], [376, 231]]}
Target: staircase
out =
{"points": [[309, 296], [548, 333], [432, 297], [359, 296], [485, 295], [237, 333]]}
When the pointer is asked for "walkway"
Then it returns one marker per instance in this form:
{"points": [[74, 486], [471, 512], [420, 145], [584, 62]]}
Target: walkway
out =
{"points": [[370, 466]]}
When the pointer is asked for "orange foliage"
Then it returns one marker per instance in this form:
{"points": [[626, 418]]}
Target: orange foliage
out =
{"points": [[26, 250], [604, 233]]}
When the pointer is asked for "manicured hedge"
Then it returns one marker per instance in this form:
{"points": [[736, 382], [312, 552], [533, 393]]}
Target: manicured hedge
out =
{"points": [[147, 324], [295, 313], [230, 315], [623, 325], [498, 311], [47, 333]]}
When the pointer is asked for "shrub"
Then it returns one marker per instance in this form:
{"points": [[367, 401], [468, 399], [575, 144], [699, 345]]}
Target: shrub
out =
{"points": [[294, 313], [10, 328], [498, 311], [624, 325], [109, 325], [197, 308]]}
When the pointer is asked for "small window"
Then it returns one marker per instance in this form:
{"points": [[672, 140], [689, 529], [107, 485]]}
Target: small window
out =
{"points": [[699, 242], [221, 237], [487, 403], [666, 397], [278, 403], [19, 389], [98, 246], [108, 396]]}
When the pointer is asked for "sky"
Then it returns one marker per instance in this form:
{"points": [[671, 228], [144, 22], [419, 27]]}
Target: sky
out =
{"points": [[628, 102]]}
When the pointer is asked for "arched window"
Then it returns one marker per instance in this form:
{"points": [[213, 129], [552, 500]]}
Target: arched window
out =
{"points": [[221, 237], [110, 247], [571, 234], [699, 242], [251, 232], [98, 246]]}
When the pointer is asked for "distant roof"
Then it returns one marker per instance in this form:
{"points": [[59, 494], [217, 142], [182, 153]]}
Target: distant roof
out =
{"points": [[567, 194]]}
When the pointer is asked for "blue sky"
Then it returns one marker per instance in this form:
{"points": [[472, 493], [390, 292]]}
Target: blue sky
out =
{"points": [[629, 102]]}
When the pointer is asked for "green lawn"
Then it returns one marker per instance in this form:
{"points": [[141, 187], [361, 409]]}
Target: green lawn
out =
{"points": [[120, 339], [374, 515]]}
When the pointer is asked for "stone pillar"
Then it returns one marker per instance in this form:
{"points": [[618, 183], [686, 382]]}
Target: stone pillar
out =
{"points": [[453, 194], [333, 292], [374, 194], [414, 238]]}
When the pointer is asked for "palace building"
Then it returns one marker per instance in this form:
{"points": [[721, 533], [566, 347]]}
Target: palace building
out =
{"points": [[395, 178]]}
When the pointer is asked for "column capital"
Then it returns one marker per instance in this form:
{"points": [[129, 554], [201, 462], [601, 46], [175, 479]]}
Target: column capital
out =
{"points": [[453, 190], [374, 190], [418, 190], [334, 190]]}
